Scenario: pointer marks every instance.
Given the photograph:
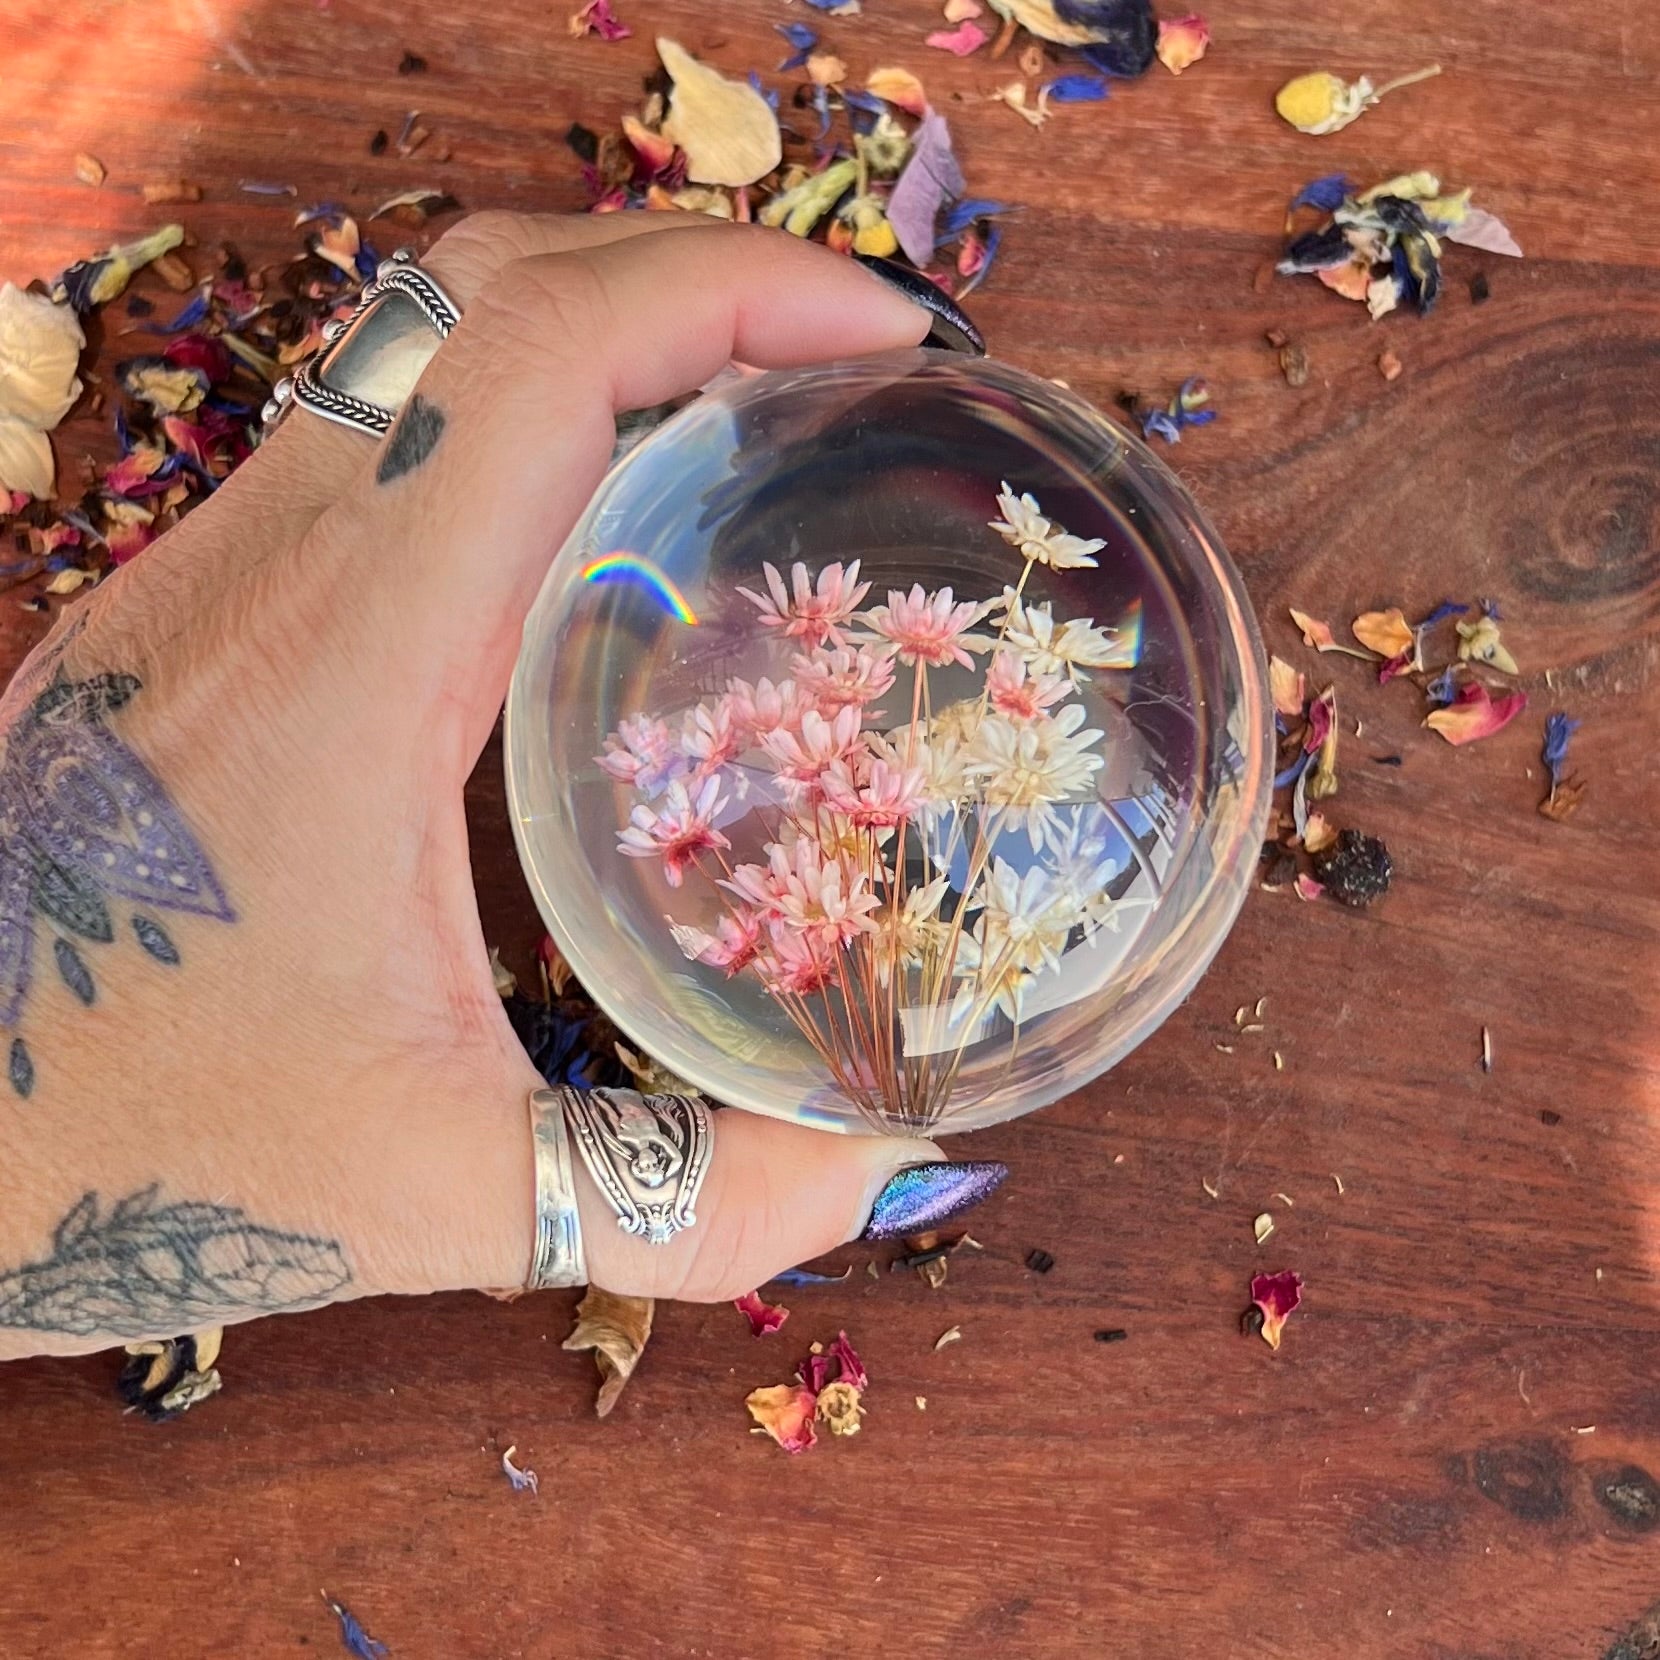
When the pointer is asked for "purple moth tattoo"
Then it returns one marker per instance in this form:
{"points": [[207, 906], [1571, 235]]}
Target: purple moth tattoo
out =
{"points": [[85, 826]]}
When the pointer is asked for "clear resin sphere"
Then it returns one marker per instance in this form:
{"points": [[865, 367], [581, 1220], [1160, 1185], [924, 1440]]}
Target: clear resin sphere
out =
{"points": [[890, 745]]}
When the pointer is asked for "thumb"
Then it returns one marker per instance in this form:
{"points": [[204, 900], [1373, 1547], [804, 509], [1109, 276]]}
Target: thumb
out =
{"points": [[777, 1194]]}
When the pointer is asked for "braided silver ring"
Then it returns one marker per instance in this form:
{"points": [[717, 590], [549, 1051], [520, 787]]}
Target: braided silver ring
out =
{"points": [[369, 362], [648, 1154]]}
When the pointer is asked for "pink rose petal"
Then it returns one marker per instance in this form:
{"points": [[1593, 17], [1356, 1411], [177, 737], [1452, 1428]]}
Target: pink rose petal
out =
{"points": [[966, 38], [762, 1317]]}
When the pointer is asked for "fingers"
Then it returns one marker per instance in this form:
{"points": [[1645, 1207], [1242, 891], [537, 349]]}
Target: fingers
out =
{"points": [[511, 427], [778, 1194], [275, 497], [308, 463]]}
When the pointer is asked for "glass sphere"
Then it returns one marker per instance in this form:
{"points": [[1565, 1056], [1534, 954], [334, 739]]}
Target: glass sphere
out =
{"points": [[890, 745]]}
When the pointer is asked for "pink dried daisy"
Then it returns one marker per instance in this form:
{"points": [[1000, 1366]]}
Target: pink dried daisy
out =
{"points": [[795, 965], [711, 737], [679, 829], [644, 752], [888, 796], [801, 757], [929, 628], [733, 946], [1019, 695], [834, 679], [809, 613], [802, 892], [765, 707]]}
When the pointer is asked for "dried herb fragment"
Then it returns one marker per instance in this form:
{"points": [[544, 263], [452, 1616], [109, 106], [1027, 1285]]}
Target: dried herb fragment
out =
{"points": [[1040, 1262], [1112, 1334], [163, 1379], [1355, 870]]}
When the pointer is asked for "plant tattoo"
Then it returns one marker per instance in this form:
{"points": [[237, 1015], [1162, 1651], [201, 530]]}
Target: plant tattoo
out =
{"points": [[83, 821], [143, 1265]]}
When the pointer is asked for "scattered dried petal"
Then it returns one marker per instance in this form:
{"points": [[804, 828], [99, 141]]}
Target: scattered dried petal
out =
{"points": [[946, 1338], [1389, 365], [762, 1317], [90, 170], [1277, 1296], [1386, 632], [1316, 634], [1318, 833], [1307, 888], [353, 1638], [164, 192], [931, 178], [616, 1329], [1294, 363], [1474, 713], [968, 37], [1182, 41], [1288, 686], [1263, 1228], [785, 1411], [523, 1481], [726, 128], [900, 88]]}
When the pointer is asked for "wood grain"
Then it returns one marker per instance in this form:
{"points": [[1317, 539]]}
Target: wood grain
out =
{"points": [[1455, 1454]]}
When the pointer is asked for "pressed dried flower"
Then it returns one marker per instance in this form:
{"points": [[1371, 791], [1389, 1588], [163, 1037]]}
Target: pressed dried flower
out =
{"points": [[813, 613], [1182, 41], [1039, 541], [929, 628]]}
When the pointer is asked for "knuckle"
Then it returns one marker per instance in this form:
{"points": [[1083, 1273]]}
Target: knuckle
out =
{"points": [[468, 256], [542, 306]]}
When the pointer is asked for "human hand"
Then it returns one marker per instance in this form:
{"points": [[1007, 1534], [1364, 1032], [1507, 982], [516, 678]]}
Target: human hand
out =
{"points": [[272, 996]]}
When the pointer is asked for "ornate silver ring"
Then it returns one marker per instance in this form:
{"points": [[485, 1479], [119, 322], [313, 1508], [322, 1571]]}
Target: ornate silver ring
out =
{"points": [[370, 361], [648, 1154]]}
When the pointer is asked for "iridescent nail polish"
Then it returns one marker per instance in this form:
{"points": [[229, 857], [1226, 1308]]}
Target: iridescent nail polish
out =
{"points": [[924, 1195]]}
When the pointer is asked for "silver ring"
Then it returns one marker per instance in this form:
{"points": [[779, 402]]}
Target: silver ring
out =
{"points": [[370, 361], [556, 1257], [648, 1154]]}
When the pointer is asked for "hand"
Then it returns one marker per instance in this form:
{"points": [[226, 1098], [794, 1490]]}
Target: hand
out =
{"points": [[289, 690]]}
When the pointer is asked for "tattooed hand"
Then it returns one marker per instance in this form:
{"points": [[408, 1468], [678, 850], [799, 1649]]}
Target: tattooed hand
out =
{"points": [[254, 1057]]}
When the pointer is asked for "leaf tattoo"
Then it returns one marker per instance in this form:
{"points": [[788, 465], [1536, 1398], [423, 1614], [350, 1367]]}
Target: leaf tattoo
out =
{"points": [[142, 1267], [83, 822]]}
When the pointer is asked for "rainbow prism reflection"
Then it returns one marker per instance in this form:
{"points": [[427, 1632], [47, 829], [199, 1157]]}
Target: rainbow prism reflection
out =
{"points": [[628, 567]]}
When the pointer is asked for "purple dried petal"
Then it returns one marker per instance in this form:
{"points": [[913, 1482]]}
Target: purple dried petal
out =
{"points": [[1325, 193], [931, 178]]}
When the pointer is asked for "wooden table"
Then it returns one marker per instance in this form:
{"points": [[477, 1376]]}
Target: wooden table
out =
{"points": [[1452, 1453]]}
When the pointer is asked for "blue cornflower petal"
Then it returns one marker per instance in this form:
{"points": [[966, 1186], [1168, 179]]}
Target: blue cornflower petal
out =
{"points": [[1559, 730], [1325, 193], [964, 213], [1077, 89]]}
